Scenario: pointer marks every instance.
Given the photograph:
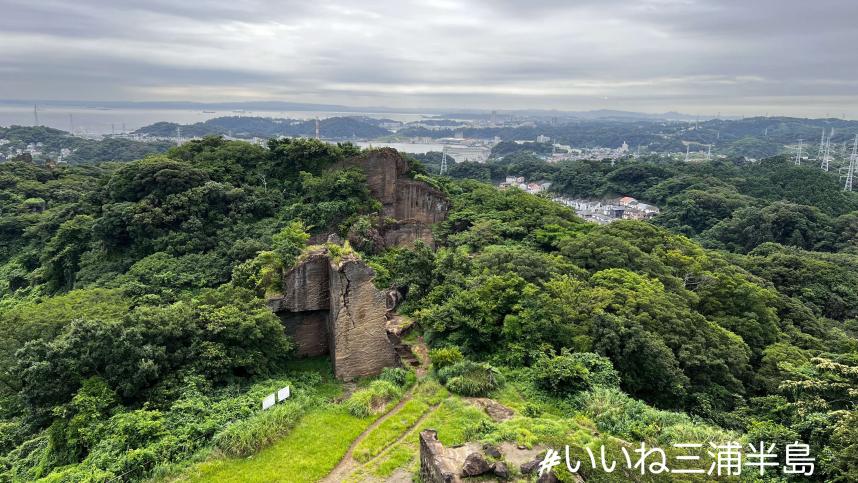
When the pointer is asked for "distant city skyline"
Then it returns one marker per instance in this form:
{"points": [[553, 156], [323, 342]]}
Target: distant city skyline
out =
{"points": [[698, 57]]}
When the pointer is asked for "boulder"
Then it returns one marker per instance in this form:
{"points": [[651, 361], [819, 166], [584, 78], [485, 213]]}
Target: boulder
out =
{"points": [[549, 477], [530, 466], [476, 465], [492, 451], [501, 471]]}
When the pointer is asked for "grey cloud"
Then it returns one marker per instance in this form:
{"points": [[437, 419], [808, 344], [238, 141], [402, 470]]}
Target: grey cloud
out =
{"points": [[656, 55]]}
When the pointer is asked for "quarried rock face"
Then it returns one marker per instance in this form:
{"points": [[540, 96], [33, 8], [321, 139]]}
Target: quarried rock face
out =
{"points": [[309, 330], [405, 233], [359, 343], [402, 198], [332, 307], [306, 285]]}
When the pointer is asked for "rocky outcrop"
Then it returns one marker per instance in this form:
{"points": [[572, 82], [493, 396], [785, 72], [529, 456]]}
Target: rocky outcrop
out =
{"points": [[359, 343], [330, 306], [306, 286], [405, 233], [433, 466], [412, 203], [476, 465]]}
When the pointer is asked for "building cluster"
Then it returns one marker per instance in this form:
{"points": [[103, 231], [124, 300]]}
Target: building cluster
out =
{"points": [[607, 211], [563, 152], [520, 183], [8, 151], [38, 150]]}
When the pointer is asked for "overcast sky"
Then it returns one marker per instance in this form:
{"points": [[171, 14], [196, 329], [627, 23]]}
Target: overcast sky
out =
{"points": [[797, 57]]}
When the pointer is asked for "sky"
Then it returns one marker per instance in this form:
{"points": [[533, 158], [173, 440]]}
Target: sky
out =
{"points": [[735, 57]]}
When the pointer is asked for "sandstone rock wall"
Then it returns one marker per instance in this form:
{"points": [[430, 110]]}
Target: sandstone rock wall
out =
{"points": [[309, 330], [418, 201], [332, 307], [401, 197], [306, 285], [405, 233], [359, 343]]}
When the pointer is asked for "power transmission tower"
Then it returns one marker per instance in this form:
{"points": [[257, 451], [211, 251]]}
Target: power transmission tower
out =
{"points": [[852, 160], [821, 146], [317, 128], [826, 156], [687, 148], [443, 160], [709, 153], [798, 154]]}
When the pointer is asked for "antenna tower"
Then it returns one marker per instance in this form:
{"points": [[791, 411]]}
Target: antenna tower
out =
{"points": [[317, 128], [35, 116]]}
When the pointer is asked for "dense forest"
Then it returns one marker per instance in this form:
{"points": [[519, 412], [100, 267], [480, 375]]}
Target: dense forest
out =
{"points": [[135, 339]]}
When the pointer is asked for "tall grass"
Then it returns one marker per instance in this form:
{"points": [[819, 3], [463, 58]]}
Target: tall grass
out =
{"points": [[248, 436], [617, 413], [373, 399]]}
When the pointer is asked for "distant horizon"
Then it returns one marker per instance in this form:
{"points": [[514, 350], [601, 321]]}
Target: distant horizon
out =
{"points": [[280, 105]]}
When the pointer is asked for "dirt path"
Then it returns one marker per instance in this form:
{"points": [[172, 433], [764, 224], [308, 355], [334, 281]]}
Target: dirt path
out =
{"points": [[348, 464], [405, 434]]}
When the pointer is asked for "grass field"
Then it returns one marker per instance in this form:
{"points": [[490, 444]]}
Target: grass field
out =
{"points": [[308, 453]]}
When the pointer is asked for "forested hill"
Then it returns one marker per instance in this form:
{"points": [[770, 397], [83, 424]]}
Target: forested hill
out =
{"points": [[134, 334], [345, 128], [49, 144]]}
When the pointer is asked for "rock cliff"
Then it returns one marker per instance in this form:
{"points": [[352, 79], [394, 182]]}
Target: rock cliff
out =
{"points": [[406, 200], [330, 304], [332, 307]]}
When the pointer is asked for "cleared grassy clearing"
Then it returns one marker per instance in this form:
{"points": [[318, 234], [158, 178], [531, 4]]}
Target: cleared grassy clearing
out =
{"points": [[308, 453]]}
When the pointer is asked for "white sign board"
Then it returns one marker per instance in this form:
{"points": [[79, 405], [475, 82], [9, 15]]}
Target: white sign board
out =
{"points": [[268, 401], [283, 394]]}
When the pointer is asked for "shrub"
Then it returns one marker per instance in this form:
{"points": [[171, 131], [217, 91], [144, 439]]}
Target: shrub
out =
{"points": [[469, 378], [372, 399], [572, 372], [445, 356], [399, 376]]}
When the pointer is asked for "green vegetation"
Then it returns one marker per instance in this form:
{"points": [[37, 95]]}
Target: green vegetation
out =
{"points": [[135, 341], [469, 378], [83, 151], [374, 399], [310, 451]]}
